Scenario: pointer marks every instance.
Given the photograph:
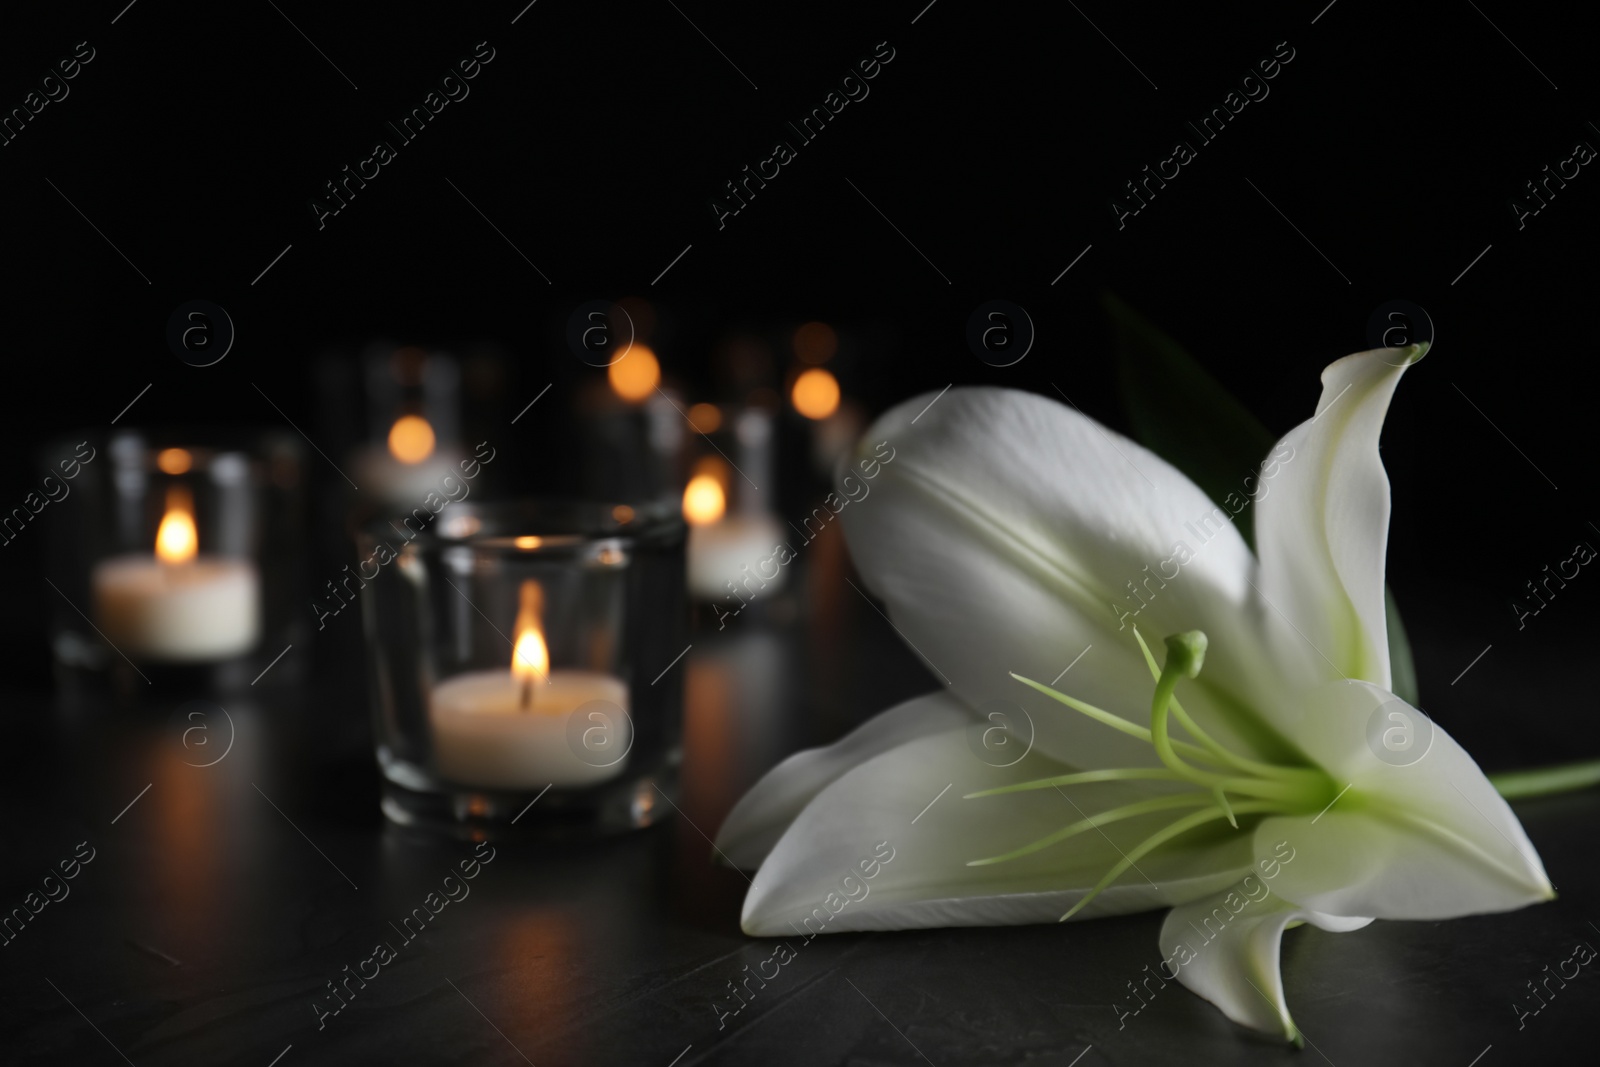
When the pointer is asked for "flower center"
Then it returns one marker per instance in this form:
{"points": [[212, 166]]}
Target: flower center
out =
{"points": [[1226, 784]]}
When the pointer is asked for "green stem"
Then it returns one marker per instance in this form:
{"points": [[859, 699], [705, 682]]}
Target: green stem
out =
{"points": [[1547, 781]]}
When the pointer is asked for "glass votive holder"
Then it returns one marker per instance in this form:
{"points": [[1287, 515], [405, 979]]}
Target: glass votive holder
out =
{"points": [[174, 557], [413, 412], [736, 542], [520, 661]]}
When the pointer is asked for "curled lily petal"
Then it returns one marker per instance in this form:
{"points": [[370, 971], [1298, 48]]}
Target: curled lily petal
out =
{"points": [[1323, 525], [1225, 948]]}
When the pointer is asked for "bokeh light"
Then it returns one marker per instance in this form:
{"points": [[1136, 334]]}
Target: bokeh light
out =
{"points": [[815, 394], [703, 500], [815, 342], [411, 439], [636, 375]]}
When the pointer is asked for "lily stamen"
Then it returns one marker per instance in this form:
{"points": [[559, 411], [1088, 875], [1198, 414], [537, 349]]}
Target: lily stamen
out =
{"points": [[1127, 811], [1186, 652], [1155, 841], [1082, 778], [1210, 744], [1116, 722], [1227, 809], [1271, 789]]}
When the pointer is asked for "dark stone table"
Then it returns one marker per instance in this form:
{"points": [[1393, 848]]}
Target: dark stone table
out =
{"points": [[220, 901]]}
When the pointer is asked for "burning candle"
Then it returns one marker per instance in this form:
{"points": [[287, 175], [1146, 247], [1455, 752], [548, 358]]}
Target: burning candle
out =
{"points": [[516, 730], [727, 550], [635, 374], [179, 606], [815, 394], [411, 464]]}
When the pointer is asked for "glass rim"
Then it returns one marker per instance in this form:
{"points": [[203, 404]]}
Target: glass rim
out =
{"points": [[537, 526]]}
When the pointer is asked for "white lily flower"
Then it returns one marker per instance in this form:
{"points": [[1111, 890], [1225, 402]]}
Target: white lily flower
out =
{"points": [[1009, 535]]}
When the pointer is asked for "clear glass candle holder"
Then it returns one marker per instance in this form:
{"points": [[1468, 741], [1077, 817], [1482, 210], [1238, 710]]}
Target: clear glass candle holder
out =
{"points": [[520, 663], [737, 543], [173, 553]]}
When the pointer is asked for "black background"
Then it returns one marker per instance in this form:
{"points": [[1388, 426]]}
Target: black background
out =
{"points": [[994, 141]]}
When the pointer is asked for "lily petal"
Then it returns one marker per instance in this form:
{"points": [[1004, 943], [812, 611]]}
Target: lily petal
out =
{"points": [[765, 812], [1323, 525], [1225, 948], [1007, 532], [1429, 839], [887, 847]]}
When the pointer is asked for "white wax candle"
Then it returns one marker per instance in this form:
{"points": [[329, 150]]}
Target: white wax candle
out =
{"points": [[720, 551], [484, 737], [406, 485], [204, 609]]}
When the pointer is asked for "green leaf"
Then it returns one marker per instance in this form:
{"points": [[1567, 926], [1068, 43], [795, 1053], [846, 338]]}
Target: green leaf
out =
{"points": [[1183, 414], [1402, 670]]}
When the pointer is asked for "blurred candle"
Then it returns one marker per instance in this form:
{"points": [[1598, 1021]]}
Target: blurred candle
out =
{"points": [[815, 393], [635, 374], [727, 552], [411, 439], [411, 464], [178, 606]]}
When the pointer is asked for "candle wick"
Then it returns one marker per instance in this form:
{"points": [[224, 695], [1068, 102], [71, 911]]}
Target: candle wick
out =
{"points": [[526, 703]]}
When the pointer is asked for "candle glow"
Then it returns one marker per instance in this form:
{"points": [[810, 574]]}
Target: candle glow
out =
{"points": [[177, 606], [174, 460], [815, 394], [815, 342], [176, 540], [703, 500], [411, 439], [530, 658], [705, 418], [635, 374]]}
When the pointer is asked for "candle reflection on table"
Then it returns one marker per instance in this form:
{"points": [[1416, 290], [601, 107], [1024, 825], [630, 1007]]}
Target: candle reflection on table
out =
{"points": [[734, 719], [193, 830]]}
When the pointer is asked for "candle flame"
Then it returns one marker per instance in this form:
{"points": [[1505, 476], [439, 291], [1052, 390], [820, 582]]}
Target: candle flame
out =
{"points": [[705, 418], [635, 374], [703, 500], [176, 540], [411, 439], [815, 394], [530, 659], [174, 460]]}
